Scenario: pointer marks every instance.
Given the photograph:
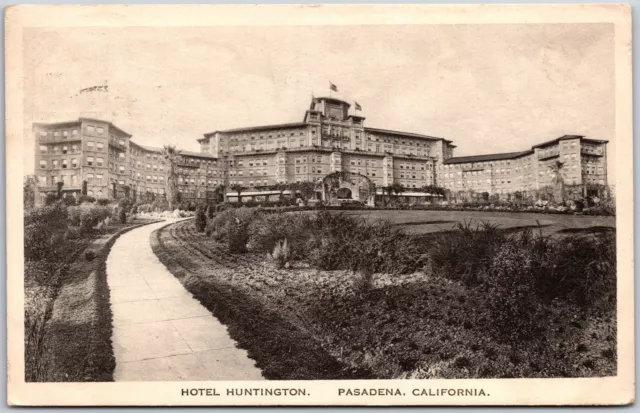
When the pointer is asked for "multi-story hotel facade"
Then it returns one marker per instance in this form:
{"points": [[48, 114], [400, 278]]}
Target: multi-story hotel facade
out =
{"points": [[328, 139]]}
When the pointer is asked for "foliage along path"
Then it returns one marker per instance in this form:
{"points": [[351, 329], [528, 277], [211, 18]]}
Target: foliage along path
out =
{"points": [[160, 332]]}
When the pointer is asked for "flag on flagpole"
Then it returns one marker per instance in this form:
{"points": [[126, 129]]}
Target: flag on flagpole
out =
{"points": [[358, 107], [333, 87]]}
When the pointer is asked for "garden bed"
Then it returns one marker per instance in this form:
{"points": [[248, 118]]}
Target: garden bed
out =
{"points": [[306, 323]]}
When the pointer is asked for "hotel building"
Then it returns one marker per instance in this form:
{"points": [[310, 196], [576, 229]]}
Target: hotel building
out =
{"points": [[328, 139]]}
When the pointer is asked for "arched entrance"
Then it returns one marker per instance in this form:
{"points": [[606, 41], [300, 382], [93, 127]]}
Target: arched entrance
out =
{"points": [[344, 193], [339, 186]]}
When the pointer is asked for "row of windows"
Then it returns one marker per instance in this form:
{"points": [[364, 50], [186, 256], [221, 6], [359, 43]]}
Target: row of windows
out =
{"points": [[59, 133], [64, 164], [58, 149]]}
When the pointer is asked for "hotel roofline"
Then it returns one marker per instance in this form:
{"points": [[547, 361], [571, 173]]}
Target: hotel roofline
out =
{"points": [[79, 121], [515, 155], [300, 124]]}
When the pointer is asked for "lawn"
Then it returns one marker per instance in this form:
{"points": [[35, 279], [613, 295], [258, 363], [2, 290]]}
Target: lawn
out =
{"points": [[306, 323], [436, 221]]}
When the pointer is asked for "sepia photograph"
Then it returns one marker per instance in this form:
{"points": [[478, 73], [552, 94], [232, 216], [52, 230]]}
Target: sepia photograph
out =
{"points": [[270, 207]]}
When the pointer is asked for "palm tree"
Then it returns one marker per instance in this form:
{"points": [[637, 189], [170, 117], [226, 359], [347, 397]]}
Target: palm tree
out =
{"points": [[171, 156], [557, 181], [238, 188]]}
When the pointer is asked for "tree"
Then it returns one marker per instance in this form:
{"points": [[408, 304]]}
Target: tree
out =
{"points": [[306, 189], [115, 190], [59, 185], [29, 192], [557, 181], [238, 188], [280, 187], [84, 188], [219, 192], [201, 219], [171, 156], [127, 191]]}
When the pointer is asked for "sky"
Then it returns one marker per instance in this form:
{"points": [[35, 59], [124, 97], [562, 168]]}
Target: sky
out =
{"points": [[489, 88]]}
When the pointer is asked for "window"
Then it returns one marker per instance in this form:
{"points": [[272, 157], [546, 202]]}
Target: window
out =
{"points": [[65, 149], [121, 142], [55, 164], [90, 178], [99, 161], [99, 194], [121, 155], [100, 130], [43, 148], [74, 163], [74, 148], [43, 164], [90, 146], [91, 129], [98, 179], [89, 160], [100, 146], [64, 164], [90, 193]]}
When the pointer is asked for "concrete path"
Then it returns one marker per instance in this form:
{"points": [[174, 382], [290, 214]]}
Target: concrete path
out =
{"points": [[160, 332]]}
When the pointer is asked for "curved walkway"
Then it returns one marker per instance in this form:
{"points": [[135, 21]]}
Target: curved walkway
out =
{"points": [[160, 332]]}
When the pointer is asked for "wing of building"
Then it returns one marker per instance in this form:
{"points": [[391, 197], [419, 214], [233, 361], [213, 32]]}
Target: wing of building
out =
{"points": [[330, 138]]}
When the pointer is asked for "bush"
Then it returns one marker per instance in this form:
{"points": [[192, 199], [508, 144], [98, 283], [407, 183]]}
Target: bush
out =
{"points": [[44, 229], [465, 253], [267, 230], [85, 198], [50, 199], [337, 241], [87, 216], [514, 309], [69, 200], [201, 220], [103, 201], [237, 232], [122, 216]]}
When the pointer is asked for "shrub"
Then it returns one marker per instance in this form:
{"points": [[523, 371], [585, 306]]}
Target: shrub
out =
{"points": [[85, 198], [44, 229], [103, 201], [87, 216], [237, 232], [337, 241], [122, 216], [515, 311], [50, 199], [69, 200], [201, 220], [89, 255], [281, 253], [580, 270], [465, 253], [218, 227], [267, 230]]}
